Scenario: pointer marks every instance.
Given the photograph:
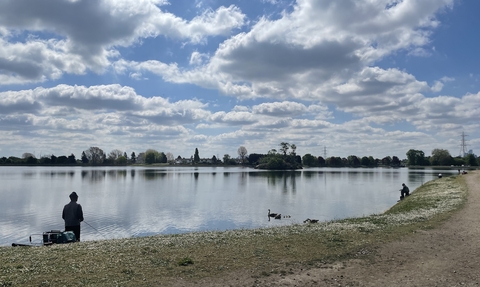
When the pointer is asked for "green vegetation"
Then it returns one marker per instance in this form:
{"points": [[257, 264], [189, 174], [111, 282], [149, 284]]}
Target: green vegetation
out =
{"points": [[440, 157], [281, 161], [161, 260], [285, 158]]}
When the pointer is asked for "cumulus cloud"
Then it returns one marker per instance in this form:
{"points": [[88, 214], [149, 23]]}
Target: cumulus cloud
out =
{"points": [[439, 112], [85, 35], [98, 110], [282, 109], [321, 44], [321, 51]]}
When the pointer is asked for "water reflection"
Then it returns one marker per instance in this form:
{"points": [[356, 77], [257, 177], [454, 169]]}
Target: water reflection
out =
{"points": [[93, 175], [152, 174], [137, 201]]}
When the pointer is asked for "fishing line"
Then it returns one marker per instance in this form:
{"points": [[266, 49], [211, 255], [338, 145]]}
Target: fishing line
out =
{"points": [[95, 229]]}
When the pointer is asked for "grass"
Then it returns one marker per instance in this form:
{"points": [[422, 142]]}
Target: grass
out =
{"points": [[161, 260]]}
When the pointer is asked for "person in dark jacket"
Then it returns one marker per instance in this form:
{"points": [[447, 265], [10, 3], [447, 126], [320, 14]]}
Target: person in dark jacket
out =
{"points": [[404, 191], [73, 215]]}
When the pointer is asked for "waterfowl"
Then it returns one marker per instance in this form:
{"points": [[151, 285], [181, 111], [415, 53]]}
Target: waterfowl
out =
{"points": [[278, 216], [272, 214], [286, 216], [310, 220]]}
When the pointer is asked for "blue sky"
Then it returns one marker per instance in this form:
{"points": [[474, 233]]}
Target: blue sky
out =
{"points": [[357, 77]]}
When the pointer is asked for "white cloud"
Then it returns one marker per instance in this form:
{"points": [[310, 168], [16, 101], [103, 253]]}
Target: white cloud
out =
{"points": [[314, 52], [325, 41], [437, 86], [86, 34], [198, 58], [280, 109], [104, 111]]}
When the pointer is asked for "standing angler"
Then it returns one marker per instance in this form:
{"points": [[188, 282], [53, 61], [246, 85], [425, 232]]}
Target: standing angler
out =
{"points": [[73, 215]]}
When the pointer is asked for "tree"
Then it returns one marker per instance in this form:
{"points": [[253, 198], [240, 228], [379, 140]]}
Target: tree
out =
{"points": [[321, 161], [140, 158], [121, 160], [170, 157], [396, 161], [84, 158], [373, 162], [45, 160], [242, 153], [26, 155], [294, 148], [275, 163], [95, 155], [151, 156], [14, 160], [441, 157], [31, 160], [309, 160], [72, 159], [133, 157], [284, 147], [114, 155], [471, 160], [253, 158], [353, 161], [196, 157], [416, 157], [334, 161], [226, 159], [214, 159], [365, 161], [62, 160], [387, 161], [162, 158]]}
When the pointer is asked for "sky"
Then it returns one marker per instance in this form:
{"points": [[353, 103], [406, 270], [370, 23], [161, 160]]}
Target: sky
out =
{"points": [[336, 78]]}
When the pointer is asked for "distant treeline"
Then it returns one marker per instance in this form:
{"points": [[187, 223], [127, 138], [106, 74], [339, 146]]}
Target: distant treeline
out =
{"points": [[440, 157], [285, 158]]}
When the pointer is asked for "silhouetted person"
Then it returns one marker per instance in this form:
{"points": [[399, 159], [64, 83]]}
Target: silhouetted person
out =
{"points": [[404, 191], [73, 215]]}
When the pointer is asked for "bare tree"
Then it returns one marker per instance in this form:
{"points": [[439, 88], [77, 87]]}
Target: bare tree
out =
{"points": [[115, 154], [242, 153], [95, 155], [27, 155], [170, 157]]}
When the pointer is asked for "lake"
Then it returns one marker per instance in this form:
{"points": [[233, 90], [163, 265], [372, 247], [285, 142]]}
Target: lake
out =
{"points": [[120, 202]]}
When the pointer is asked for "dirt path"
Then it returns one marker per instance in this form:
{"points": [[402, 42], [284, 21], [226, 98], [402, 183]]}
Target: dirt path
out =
{"points": [[446, 256]]}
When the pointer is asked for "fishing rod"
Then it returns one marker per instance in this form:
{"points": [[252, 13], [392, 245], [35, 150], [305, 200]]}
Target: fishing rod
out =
{"points": [[95, 229]]}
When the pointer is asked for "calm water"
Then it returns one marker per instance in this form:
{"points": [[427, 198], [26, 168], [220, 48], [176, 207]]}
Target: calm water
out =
{"points": [[140, 201]]}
